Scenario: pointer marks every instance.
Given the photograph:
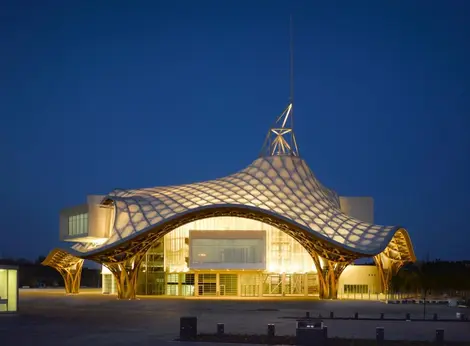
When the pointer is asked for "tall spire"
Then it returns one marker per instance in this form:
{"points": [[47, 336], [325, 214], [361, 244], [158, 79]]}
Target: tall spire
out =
{"points": [[280, 139], [291, 60]]}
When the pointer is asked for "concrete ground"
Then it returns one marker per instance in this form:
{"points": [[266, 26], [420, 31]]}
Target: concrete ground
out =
{"points": [[48, 317]]}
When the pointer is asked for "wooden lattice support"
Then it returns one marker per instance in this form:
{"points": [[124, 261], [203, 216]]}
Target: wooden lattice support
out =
{"points": [[125, 274], [398, 252], [380, 268], [328, 276], [386, 272], [71, 276], [69, 267]]}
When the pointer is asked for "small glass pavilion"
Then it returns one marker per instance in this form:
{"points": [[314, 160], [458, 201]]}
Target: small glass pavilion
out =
{"points": [[8, 289]]}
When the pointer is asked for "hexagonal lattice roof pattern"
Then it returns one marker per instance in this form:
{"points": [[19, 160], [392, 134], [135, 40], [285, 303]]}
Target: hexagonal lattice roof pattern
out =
{"points": [[278, 185]]}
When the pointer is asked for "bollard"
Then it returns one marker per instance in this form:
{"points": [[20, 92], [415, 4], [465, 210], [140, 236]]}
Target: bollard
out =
{"points": [[220, 328], [332, 315], [380, 335], [325, 332], [356, 316], [407, 317], [434, 317], [271, 330], [188, 328], [307, 314], [439, 337], [381, 315]]}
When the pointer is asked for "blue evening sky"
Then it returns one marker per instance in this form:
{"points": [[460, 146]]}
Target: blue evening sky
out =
{"points": [[96, 95]]}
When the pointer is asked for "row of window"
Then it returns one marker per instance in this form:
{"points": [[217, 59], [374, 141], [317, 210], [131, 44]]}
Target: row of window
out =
{"points": [[356, 289], [78, 224]]}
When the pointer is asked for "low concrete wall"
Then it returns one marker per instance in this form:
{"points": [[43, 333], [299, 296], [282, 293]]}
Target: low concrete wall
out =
{"points": [[58, 290]]}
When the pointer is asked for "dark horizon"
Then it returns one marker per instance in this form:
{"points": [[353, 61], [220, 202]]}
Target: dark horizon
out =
{"points": [[98, 97]]}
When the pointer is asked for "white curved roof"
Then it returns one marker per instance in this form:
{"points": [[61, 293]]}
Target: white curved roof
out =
{"points": [[283, 186]]}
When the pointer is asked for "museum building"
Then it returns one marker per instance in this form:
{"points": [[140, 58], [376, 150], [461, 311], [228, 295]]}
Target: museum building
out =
{"points": [[271, 229]]}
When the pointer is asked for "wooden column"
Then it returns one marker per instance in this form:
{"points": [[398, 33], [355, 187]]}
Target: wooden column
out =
{"points": [[125, 274], [72, 276], [328, 276], [386, 273]]}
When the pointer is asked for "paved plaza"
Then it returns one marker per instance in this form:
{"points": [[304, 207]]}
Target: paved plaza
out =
{"points": [[48, 317]]}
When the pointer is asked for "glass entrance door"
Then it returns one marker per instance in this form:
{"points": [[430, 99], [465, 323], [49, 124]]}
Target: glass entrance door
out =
{"points": [[207, 284]]}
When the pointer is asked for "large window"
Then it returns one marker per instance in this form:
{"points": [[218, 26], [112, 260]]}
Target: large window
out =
{"points": [[78, 224], [281, 252], [227, 249]]}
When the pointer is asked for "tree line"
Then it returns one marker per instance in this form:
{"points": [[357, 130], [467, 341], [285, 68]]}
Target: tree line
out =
{"points": [[434, 278]]}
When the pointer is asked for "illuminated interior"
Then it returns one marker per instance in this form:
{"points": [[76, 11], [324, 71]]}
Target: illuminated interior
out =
{"points": [[281, 265], [283, 253], [8, 289]]}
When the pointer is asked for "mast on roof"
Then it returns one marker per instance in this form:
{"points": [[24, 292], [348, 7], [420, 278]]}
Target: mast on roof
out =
{"points": [[280, 139]]}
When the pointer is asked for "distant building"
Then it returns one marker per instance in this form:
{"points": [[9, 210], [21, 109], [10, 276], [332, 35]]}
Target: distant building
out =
{"points": [[271, 229]]}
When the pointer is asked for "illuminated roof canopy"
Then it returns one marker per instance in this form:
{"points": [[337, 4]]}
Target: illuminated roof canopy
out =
{"points": [[278, 184]]}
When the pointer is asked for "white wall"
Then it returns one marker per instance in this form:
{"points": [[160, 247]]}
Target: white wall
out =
{"points": [[100, 219], [360, 275]]}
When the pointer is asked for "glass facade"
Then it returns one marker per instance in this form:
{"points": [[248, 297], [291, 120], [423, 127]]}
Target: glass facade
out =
{"points": [[290, 284], [228, 284], [281, 252], [227, 250], [8, 290], [250, 285], [78, 224], [109, 284], [225, 256], [151, 279]]}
